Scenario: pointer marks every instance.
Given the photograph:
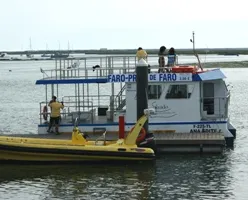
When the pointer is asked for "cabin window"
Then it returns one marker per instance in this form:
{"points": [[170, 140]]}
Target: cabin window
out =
{"points": [[178, 92], [154, 91]]}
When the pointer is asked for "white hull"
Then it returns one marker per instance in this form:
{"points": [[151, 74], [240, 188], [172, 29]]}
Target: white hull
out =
{"points": [[157, 129]]}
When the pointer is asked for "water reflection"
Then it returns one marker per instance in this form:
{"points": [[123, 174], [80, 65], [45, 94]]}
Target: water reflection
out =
{"points": [[170, 177], [193, 177], [78, 181]]}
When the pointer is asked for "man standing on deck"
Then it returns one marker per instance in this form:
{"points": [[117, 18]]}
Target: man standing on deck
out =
{"points": [[55, 114]]}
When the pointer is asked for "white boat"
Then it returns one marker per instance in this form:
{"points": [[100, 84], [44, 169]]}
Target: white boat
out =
{"points": [[5, 57], [186, 100], [191, 104]]}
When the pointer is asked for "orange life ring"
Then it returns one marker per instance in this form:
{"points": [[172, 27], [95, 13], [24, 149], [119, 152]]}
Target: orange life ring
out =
{"points": [[141, 136], [44, 113]]}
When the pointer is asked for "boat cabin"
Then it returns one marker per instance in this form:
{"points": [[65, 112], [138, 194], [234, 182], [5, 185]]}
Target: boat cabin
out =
{"points": [[175, 95]]}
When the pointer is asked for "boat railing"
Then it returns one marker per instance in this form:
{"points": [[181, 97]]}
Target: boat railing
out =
{"points": [[120, 99], [86, 107], [83, 107], [98, 102], [72, 110], [95, 67], [215, 107], [101, 140], [82, 101], [76, 122]]}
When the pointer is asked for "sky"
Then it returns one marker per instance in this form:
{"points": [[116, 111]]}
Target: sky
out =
{"points": [[119, 24]]}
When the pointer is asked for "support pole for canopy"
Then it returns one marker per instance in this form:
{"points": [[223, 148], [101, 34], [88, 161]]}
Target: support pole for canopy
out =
{"points": [[46, 94]]}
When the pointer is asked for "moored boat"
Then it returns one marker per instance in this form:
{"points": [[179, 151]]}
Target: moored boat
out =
{"points": [[5, 57], [191, 104], [76, 149], [59, 55], [98, 97]]}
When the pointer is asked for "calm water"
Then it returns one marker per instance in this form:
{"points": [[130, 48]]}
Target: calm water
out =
{"points": [[169, 177]]}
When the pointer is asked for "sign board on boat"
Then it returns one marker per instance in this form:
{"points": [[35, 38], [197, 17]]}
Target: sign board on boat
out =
{"points": [[163, 77], [204, 128]]}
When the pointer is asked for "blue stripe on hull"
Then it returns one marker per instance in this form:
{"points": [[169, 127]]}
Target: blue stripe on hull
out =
{"points": [[157, 123]]}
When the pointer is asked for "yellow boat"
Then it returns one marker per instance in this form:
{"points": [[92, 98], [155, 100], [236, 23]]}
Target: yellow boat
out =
{"points": [[76, 149]]}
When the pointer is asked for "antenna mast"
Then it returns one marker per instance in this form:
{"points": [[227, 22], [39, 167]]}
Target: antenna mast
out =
{"points": [[194, 51], [193, 40], [30, 44]]}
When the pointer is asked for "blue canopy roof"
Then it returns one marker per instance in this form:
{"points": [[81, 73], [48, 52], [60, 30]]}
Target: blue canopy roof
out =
{"points": [[214, 74], [70, 81]]}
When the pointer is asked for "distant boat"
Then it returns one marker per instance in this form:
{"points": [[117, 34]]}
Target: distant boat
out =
{"points": [[5, 56], [229, 54], [29, 56], [60, 55], [46, 55]]}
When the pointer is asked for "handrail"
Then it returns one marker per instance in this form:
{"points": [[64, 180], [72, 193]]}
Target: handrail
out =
{"points": [[88, 103], [109, 64], [215, 107], [76, 122], [121, 91], [118, 98], [216, 97], [103, 136]]}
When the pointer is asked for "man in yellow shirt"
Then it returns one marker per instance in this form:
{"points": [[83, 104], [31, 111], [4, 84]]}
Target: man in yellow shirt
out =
{"points": [[141, 54], [55, 114]]}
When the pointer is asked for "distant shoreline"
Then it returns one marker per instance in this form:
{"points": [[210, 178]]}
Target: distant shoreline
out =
{"points": [[221, 64], [219, 51]]}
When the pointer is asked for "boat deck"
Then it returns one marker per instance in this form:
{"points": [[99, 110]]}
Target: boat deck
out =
{"points": [[191, 142], [188, 138], [166, 142]]}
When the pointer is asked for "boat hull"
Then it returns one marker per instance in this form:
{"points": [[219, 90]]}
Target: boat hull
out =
{"points": [[159, 129], [65, 153]]}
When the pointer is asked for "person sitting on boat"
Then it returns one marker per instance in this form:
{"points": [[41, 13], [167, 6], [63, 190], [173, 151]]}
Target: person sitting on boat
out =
{"points": [[141, 54], [161, 60], [55, 114], [171, 57]]}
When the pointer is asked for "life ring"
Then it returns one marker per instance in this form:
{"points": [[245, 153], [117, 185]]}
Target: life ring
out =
{"points": [[44, 113], [141, 136]]}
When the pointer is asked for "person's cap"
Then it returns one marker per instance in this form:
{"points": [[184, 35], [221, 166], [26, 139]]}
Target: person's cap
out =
{"points": [[54, 97]]}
